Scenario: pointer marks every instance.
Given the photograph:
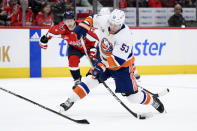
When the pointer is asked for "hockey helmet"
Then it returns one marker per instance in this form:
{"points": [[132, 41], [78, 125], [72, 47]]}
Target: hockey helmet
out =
{"points": [[106, 47], [104, 11], [117, 17], [69, 15]]}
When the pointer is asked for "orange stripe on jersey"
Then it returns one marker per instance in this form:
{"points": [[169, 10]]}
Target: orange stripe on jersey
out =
{"points": [[80, 92], [114, 66], [112, 63], [129, 62], [147, 99], [85, 26], [131, 68], [133, 81], [89, 20], [134, 68]]}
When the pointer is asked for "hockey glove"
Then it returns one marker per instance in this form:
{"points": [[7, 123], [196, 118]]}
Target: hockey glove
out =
{"points": [[92, 53], [99, 68], [82, 29], [43, 42]]}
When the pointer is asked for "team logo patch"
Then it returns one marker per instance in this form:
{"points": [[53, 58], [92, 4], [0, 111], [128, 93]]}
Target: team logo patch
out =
{"points": [[106, 47]]}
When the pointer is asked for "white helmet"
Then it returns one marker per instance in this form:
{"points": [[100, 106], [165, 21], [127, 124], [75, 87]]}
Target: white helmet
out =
{"points": [[104, 11], [117, 17]]}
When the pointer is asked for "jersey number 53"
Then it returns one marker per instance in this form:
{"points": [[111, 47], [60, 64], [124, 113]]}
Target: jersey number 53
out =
{"points": [[124, 48]]}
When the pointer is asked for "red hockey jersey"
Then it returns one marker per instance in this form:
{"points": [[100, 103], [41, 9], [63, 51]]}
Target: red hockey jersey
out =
{"points": [[61, 31]]}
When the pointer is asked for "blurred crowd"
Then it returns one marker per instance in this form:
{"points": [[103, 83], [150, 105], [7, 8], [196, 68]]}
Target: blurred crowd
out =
{"points": [[37, 12], [50, 12], [161, 3]]}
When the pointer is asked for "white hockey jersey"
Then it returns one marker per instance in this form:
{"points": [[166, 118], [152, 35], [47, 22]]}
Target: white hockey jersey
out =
{"points": [[121, 43], [119, 48]]}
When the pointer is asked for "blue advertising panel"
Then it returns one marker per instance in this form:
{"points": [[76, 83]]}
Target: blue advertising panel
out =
{"points": [[35, 53]]}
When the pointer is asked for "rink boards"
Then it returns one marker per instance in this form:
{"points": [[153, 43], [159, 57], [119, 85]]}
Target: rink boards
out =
{"points": [[157, 51]]}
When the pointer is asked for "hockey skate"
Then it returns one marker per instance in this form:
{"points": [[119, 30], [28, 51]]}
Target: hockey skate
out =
{"points": [[66, 105], [157, 104]]}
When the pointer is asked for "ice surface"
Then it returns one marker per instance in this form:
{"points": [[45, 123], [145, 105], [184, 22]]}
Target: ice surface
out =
{"points": [[99, 108]]}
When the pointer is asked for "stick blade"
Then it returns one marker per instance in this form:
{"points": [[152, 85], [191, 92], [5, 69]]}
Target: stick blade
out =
{"points": [[84, 121], [164, 92], [145, 116]]}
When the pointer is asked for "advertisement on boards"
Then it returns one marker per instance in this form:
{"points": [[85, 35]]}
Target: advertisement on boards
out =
{"points": [[35, 52], [21, 56], [150, 47], [164, 47], [14, 48]]}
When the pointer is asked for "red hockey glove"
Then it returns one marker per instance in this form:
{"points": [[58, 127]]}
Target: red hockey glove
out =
{"points": [[43, 42], [92, 53]]}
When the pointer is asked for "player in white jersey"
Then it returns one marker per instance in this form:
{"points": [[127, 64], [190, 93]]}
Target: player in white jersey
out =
{"points": [[114, 60], [99, 21]]}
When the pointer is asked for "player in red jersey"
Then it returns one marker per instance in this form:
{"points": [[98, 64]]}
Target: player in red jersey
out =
{"points": [[75, 51]]}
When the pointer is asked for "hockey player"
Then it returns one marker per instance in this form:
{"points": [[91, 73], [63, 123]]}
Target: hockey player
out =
{"points": [[99, 21], [115, 59], [75, 51]]}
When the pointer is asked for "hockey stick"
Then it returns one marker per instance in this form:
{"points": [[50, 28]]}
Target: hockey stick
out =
{"points": [[139, 116], [83, 121], [162, 93]]}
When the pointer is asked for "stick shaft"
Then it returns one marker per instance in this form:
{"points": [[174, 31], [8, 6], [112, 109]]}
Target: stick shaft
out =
{"points": [[106, 86], [42, 106]]}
